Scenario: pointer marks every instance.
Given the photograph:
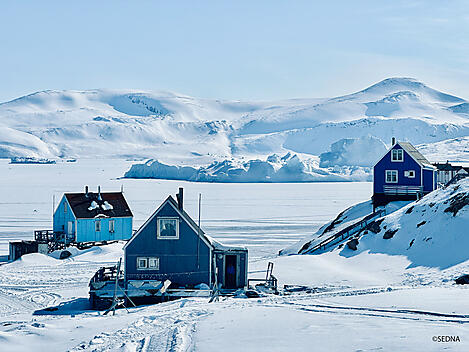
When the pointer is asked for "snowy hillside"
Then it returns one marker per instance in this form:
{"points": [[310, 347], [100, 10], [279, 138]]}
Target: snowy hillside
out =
{"points": [[431, 232], [182, 130]]}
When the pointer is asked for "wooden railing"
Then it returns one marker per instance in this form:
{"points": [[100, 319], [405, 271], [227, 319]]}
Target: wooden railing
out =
{"points": [[402, 190], [346, 232]]}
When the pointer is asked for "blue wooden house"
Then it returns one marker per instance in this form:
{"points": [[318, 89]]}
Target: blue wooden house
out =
{"points": [[93, 217], [171, 246], [403, 173]]}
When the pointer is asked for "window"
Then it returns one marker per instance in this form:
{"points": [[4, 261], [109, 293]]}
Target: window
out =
{"points": [[97, 225], [168, 228], [397, 155], [148, 263], [153, 263], [409, 173], [142, 263], [65, 207], [391, 176], [111, 225]]}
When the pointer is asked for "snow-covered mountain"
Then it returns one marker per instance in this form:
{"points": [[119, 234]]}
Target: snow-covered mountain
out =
{"points": [[176, 128]]}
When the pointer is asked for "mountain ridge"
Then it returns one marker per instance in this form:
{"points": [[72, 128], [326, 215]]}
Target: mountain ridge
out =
{"points": [[174, 127]]}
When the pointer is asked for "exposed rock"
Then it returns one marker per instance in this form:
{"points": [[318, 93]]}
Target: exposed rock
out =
{"points": [[305, 247], [374, 226], [389, 234], [463, 280], [421, 223], [65, 254], [335, 222], [352, 244], [408, 211], [411, 243], [457, 203]]}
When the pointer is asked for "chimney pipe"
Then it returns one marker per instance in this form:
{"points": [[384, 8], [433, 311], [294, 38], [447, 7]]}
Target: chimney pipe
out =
{"points": [[99, 193], [180, 198], [393, 140], [86, 191]]}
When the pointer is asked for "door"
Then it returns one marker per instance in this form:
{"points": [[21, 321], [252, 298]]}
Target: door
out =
{"points": [[230, 271]]}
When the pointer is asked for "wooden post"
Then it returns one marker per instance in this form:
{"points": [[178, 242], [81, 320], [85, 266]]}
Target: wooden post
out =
{"points": [[199, 234], [114, 298]]}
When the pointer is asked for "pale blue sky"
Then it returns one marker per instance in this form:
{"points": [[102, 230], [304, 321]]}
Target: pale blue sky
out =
{"points": [[232, 49]]}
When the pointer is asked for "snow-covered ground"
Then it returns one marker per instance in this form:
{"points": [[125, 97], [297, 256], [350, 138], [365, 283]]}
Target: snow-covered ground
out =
{"points": [[366, 301]]}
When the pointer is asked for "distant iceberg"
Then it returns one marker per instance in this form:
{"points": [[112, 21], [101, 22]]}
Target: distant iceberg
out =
{"points": [[275, 169], [31, 160]]}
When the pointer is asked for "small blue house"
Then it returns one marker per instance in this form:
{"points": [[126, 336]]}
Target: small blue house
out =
{"points": [[93, 217], [403, 173], [171, 246]]}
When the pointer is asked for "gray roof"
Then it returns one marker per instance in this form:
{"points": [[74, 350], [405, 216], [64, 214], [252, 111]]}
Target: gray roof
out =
{"points": [[419, 158]]}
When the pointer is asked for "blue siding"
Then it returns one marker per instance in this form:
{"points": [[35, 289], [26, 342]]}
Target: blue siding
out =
{"points": [[177, 257], [87, 229], [379, 171], [62, 217], [429, 180]]}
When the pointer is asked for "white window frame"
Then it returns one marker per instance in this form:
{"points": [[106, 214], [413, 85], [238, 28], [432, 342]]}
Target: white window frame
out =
{"points": [[386, 176], [148, 261], [409, 173], [70, 228], [398, 151], [112, 226], [156, 262], [158, 228], [97, 226], [65, 207], [143, 259]]}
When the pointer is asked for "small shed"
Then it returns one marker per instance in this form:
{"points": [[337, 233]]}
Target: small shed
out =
{"points": [[171, 246], [403, 173], [93, 217]]}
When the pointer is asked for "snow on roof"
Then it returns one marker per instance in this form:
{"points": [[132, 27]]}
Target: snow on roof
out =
{"points": [[410, 149], [90, 205]]}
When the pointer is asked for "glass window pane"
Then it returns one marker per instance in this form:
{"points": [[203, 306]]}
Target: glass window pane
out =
{"points": [[168, 228]]}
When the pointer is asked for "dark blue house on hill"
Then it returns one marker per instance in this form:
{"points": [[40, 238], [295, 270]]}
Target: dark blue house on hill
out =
{"points": [[403, 173], [171, 246]]}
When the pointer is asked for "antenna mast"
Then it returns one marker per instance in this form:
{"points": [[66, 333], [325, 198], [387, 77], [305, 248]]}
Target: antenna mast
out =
{"points": [[198, 240]]}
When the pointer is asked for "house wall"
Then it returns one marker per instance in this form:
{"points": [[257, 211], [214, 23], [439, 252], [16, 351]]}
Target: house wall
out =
{"points": [[177, 257], [379, 171], [61, 218], [429, 180], [444, 176], [87, 229]]}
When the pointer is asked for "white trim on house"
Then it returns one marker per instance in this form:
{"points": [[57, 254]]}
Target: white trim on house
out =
{"points": [[386, 176], [179, 213], [142, 260], [158, 229], [147, 261], [58, 205], [397, 150]]}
